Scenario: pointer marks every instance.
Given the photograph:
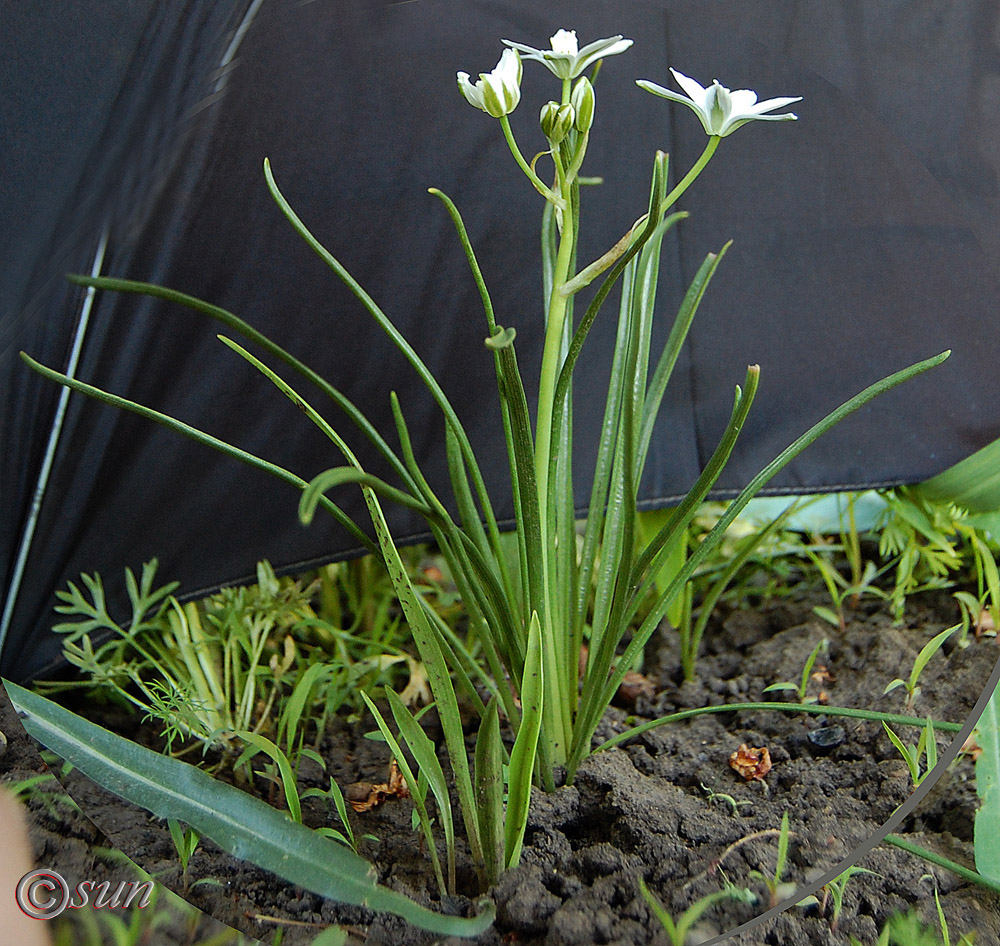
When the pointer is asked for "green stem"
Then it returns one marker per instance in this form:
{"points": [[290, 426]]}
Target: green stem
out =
{"points": [[964, 872], [536, 181], [689, 178], [557, 703], [815, 709]]}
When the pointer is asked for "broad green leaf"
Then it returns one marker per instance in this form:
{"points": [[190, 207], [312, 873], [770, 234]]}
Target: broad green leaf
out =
{"points": [[973, 483], [240, 824]]}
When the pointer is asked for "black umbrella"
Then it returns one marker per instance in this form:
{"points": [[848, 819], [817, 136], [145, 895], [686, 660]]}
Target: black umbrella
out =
{"points": [[863, 241]]}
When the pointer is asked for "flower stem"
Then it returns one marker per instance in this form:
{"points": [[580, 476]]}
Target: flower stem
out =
{"points": [[689, 178], [557, 703], [536, 181]]}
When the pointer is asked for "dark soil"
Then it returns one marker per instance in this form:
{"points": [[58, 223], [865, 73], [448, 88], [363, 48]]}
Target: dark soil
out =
{"points": [[647, 810]]}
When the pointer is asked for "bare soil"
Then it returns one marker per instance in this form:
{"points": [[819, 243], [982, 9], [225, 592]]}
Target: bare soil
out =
{"points": [[666, 807]]}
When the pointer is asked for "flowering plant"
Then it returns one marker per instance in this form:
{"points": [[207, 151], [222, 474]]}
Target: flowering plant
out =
{"points": [[555, 633]]}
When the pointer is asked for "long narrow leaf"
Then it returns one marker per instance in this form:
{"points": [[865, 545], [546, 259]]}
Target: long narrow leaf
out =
{"points": [[201, 437], [240, 824], [987, 828], [425, 755], [753, 487], [412, 783], [671, 351], [259, 743], [383, 321], [237, 324], [522, 755], [489, 789]]}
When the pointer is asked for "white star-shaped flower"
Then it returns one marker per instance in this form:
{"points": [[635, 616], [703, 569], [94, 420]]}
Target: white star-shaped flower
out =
{"points": [[721, 111], [565, 59]]}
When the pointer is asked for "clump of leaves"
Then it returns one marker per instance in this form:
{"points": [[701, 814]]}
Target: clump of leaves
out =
{"points": [[274, 659]]}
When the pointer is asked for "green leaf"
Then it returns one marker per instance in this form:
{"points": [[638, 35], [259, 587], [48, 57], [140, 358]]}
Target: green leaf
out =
{"points": [[489, 789], [906, 752], [972, 483], [240, 824], [929, 650], [522, 755], [200, 436], [987, 828], [259, 743], [417, 793], [425, 755]]}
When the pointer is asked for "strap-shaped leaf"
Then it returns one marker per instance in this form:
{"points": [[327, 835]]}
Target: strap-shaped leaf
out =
{"points": [[240, 824], [417, 789], [201, 437], [489, 789], [407, 350], [234, 322], [752, 488], [425, 755], [522, 755]]}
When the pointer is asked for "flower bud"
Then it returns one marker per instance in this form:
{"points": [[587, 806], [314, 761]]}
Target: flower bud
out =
{"points": [[583, 103], [556, 121]]}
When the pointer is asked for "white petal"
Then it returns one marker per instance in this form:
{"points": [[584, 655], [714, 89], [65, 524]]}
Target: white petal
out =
{"points": [[473, 93], [693, 89], [770, 104], [662, 91], [594, 51], [509, 67], [528, 51], [743, 100], [564, 42]]}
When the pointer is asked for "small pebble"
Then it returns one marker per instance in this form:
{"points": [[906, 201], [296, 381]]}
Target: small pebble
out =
{"points": [[827, 737]]}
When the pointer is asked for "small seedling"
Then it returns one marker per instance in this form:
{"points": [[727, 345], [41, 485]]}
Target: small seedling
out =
{"points": [[722, 796], [835, 891], [929, 650], [926, 746], [907, 929], [186, 842], [800, 687], [678, 930], [775, 888], [345, 837]]}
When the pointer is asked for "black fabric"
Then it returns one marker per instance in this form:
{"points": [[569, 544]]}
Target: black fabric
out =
{"points": [[865, 238]]}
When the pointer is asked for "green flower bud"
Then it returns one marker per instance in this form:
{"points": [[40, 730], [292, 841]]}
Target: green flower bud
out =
{"points": [[556, 121], [583, 102]]}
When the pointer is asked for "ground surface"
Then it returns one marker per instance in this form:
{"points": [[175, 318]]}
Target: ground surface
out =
{"points": [[646, 810]]}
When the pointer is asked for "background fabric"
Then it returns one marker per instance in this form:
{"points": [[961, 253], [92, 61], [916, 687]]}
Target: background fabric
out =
{"points": [[866, 237]]}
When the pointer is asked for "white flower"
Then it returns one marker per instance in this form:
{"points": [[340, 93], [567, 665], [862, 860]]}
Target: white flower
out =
{"points": [[565, 59], [721, 112], [498, 92]]}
